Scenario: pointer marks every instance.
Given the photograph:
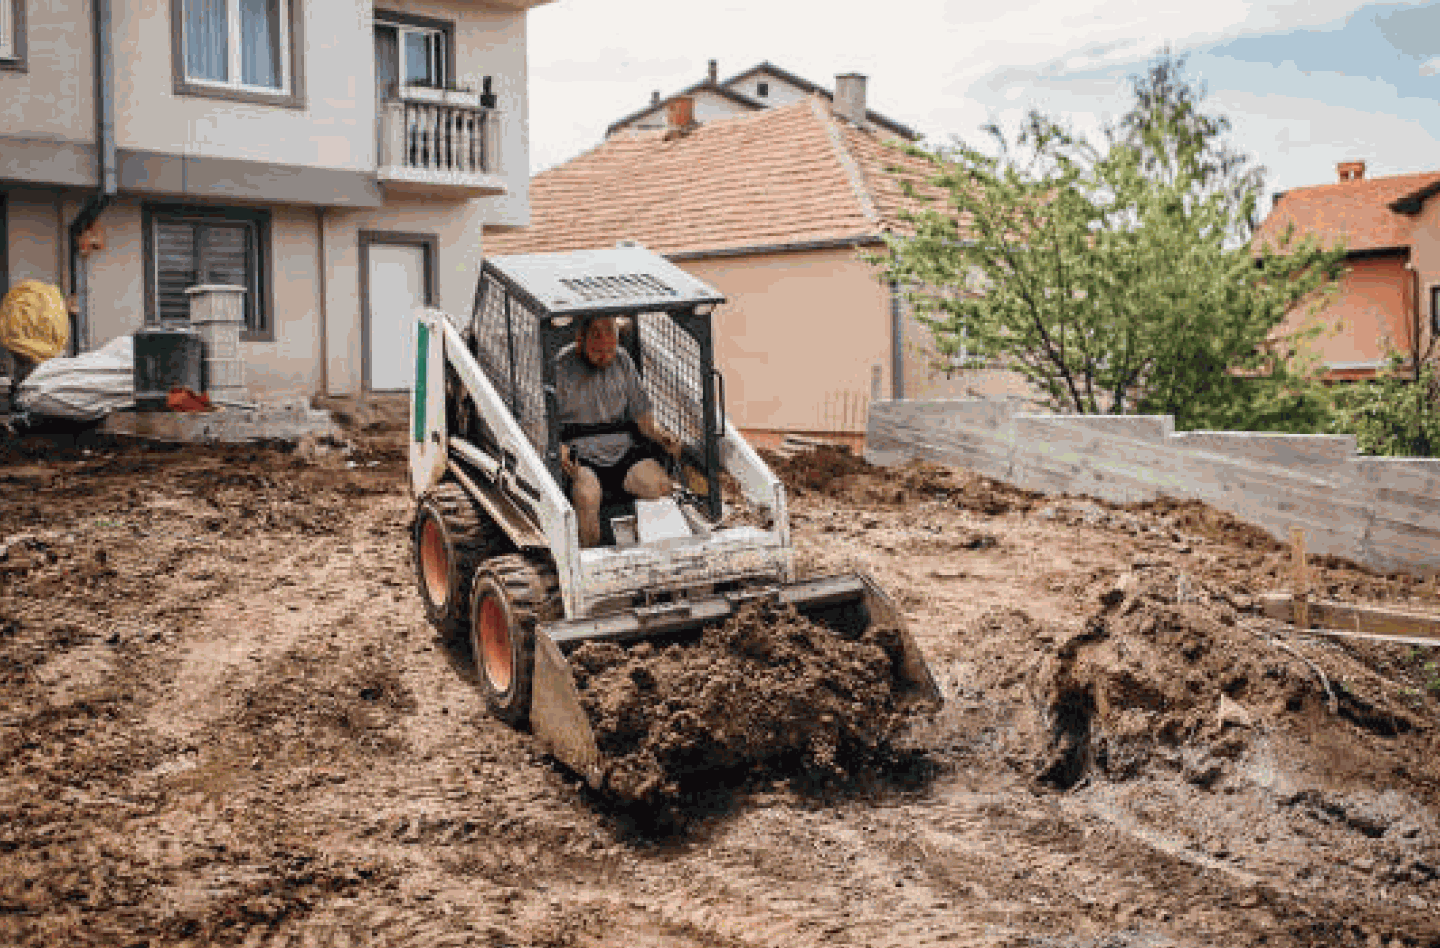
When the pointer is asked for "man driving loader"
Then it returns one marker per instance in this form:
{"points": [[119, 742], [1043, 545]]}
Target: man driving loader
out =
{"points": [[602, 407]]}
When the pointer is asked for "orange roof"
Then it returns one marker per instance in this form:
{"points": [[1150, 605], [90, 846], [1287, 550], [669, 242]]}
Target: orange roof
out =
{"points": [[1360, 212], [787, 176]]}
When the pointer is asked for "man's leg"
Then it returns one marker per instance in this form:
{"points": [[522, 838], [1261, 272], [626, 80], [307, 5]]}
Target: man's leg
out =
{"points": [[585, 494], [647, 480]]}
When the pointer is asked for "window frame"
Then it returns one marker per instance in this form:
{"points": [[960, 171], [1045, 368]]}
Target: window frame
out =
{"points": [[260, 291], [290, 95], [1435, 309], [12, 36], [415, 23]]}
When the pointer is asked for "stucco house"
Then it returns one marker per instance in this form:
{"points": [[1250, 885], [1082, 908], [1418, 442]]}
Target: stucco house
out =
{"points": [[1390, 298], [342, 160], [777, 209], [764, 86]]}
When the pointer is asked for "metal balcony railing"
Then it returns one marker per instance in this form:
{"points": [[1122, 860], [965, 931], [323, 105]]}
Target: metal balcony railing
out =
{"points": [[439, 140]]}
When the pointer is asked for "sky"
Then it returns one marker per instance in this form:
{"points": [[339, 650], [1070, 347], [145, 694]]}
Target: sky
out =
{"points": [[1305, 85]]}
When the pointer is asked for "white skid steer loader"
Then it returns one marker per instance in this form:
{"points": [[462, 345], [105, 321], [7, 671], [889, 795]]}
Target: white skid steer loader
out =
{"points": [[496, 540]]}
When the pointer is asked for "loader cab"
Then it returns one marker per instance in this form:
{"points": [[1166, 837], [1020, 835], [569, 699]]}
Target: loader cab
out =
{"points": [[526, 312]]}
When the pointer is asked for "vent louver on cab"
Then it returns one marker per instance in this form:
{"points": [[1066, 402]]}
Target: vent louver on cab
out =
{"points": [[628, 286]]}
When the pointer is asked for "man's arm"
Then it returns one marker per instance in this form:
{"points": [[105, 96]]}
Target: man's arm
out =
{"points": [[652, 430]]}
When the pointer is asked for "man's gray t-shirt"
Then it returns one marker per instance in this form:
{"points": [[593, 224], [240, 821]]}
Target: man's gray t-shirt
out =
{"points": [[587, 396]]}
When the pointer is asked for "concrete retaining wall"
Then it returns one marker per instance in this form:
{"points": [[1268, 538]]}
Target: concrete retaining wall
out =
{"points": [[1382, 512]]}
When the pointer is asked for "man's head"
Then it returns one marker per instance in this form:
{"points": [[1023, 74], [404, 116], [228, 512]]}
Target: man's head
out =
{"points": [[598, 339]]}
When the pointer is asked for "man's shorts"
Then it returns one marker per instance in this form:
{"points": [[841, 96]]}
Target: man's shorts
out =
{"points": [[612, 477]]}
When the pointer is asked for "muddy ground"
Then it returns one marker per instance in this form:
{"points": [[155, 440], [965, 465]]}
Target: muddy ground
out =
{"points": [[224, 721]]}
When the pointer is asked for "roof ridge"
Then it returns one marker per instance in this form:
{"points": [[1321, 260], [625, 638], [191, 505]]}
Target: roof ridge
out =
{"points": [[853, 172]]}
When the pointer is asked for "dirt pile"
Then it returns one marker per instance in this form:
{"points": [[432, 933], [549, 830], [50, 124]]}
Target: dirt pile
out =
{"points": [[1168, 671], [768, 688], [835, 471]]}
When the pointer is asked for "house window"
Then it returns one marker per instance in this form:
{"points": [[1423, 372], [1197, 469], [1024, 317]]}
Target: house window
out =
{"points": [[762, 89], [12, 34], [1435, 310], [238, 49], [186, 246], [415, 50]]}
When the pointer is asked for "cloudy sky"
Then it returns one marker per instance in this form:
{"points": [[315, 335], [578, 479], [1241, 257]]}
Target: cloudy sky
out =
{"points": [[1305, 85]]}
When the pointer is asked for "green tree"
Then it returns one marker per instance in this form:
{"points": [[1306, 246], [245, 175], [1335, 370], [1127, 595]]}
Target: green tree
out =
{"points": [[1118, 278]]}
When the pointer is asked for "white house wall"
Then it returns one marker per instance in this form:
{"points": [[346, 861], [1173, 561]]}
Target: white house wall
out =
{"points": [[780, 92]]}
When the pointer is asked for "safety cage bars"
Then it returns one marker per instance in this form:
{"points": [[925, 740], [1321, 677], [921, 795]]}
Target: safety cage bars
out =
{"points": [[516, 343]]}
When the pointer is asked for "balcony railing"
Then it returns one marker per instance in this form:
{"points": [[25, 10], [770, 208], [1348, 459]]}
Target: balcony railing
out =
{"points": [[432, 139]]}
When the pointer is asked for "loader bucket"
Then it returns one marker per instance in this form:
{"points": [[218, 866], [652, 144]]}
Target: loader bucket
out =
{"points": [[848, 605]]}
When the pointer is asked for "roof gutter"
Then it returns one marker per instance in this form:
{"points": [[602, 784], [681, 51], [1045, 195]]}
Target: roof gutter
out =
{"points": [[836, 243], [108, 184]]}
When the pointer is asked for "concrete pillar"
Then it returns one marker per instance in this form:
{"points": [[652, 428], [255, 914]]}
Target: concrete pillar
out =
{"points": [[217, 313]]}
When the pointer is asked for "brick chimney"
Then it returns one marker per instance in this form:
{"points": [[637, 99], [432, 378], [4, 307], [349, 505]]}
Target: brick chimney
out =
{"points": [[850, 98], [714, 73], [1351, 170], [680, 114]]}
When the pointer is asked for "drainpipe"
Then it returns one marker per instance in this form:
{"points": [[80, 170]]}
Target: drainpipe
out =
{"points": [[324, 381], [108, 184], [897, 344]]}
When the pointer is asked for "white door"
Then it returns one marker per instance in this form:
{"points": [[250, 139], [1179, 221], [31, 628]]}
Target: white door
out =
{"points": [[397, 289]]}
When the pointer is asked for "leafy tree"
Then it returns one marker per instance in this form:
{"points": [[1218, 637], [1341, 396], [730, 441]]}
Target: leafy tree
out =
{"points": [[1398, 413], [1116, 279]]}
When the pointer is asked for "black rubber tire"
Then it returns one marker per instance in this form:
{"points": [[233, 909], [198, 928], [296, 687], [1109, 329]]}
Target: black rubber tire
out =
{"points": [[449, 537], [509, 596]]}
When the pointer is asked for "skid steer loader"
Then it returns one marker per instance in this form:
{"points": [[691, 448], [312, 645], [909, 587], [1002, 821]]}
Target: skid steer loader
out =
{"points": [[496, 541]]}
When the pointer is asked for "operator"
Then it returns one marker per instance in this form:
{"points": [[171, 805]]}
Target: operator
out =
{"points": [[602, 406]]}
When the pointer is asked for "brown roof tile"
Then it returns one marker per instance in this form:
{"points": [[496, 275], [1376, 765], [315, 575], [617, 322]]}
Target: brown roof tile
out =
{"points": [[1357, 212], [785, 176]]}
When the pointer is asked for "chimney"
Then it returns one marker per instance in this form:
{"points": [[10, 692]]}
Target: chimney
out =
{"points": [[714, 73], [1351, 170], [655, 97], [680, 114], [850, 98]]}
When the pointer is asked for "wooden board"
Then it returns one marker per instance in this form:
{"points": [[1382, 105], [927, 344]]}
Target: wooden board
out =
{"points": [[1354, 618]]}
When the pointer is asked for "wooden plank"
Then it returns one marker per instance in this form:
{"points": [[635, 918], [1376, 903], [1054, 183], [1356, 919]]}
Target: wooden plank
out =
{"points": [[1357, 619]]}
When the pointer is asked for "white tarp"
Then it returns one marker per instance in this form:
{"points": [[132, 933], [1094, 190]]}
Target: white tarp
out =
{"points": [[85, 388]]}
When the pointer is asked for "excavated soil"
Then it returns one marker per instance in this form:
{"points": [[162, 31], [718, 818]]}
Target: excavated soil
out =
{"points": [[224, 721], [769, 690]]}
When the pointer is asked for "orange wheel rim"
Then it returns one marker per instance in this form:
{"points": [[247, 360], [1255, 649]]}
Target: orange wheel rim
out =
{"points": [[434, 563], [495, 644]]}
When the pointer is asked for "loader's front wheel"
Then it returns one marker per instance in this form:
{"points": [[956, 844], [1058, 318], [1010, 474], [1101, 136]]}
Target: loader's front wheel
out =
{"points": [[509, 596], [451, 535]]}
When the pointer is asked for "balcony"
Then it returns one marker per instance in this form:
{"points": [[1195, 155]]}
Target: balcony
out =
{"points": [[433, 140]]}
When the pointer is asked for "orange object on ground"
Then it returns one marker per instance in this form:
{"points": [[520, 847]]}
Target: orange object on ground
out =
{"points": [[183, 399]]}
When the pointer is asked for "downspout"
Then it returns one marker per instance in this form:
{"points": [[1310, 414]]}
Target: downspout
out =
{"points": [[323, 264], [897, 344], [108, 184]]}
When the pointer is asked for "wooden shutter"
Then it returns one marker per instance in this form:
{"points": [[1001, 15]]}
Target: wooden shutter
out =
{"points": [[175, 258], [189, 253]]}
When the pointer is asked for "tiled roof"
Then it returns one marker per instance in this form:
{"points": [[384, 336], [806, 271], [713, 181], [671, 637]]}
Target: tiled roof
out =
{"points": [[1361, 213], [792, 175]]}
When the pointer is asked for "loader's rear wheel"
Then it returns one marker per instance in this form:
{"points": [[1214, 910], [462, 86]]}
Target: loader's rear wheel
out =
{"points": [[451, 535], [509, 596]]}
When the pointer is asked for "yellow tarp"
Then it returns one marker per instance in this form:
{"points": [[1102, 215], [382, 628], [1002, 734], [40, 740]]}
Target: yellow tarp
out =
{"points": [[33, 321]]}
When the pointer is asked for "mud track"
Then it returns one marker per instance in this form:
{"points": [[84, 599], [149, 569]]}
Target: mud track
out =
{"points": [[225, 722]]}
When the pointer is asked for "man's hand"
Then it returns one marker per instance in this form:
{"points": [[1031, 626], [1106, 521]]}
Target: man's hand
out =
{"points": [[567, 463], [667, 441]]}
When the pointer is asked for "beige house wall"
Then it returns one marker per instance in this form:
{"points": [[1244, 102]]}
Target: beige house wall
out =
{"points": [[799, 338]]}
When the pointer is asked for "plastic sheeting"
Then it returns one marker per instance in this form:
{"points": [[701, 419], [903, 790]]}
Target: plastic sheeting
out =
{"points": [[84, 388], [33, 321]]}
